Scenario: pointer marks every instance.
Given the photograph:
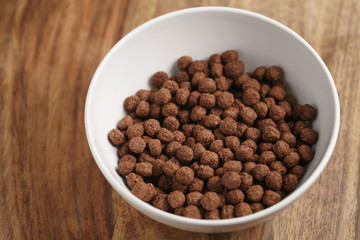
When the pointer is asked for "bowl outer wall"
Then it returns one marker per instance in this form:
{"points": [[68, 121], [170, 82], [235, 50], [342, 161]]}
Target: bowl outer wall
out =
{"points": [[250, 60]]}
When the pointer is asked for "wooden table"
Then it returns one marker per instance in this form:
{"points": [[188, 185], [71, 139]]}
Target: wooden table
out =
{"points": [[50, 187]]}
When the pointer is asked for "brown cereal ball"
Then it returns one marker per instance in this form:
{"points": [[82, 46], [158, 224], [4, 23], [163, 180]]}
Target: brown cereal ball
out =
{"points": [[285, 105], [135, 130], [274, 74], [260, 171], [216, 145], [226, 154], [222, 200], [261, 109], [290, 99], [248, 115], [169, 109], [209, 158], [176, 199], [207, 85], [278, 166], [172, 147], [243, 209], [229, 56], [277, 93], [179, 137], [210, 201], [227, 212], [192, 211], [197, 130], [186, 85], [264, 146], [154, 146], [250, 97], [250, 143], [232, 112], [193, 99], [246, 181], [265, 122], [140, 190], [165, 135], [240, 129], [215, 58], [225, 100], [219, 172], [197, 185], [196, 78], [307, 113], [185, 154], [298, 127], [157, 167], [254, 193], [232, 165], [197, 113], [153, 93], [152, 127], [145, 157], [132, 179], [296, 112], [248, 167], [170, 167], [151, 192], [222, 83], [144, 169], [251, 83], [198, 150], [181, 96], [193, 198], [298, 171], [291, 159], [125, 123], [137, 145], [205, 172], [271, 198], [197, 66], [309, 136], [131, 103], [234, 69], [176, 186], [163, 96], [146, 139], [259, 73], [267, 157], [284, 127], [184, 175], [273, 180], [207, 100], [289, 138], [184, 116], [281, 149], [155, 111], [161, 202], [240, 80], [235, 196], [270, 134], [187, 129], [165, 182], [159, 78], [182, 76], [143, 109], [257, 207], [126, 166], [244, 153], [231, 180], [211, 121], [206, 137], [116, 137], [218, 134], [253, 134], [217, 70], [171, 123], [228, 126], [264, 89], [277, 113], [184, 62], [171, 85], [305, 152], [214, 184], [195, 166], [190, 142], [212, 215], [290, 182], [269, 101], [280, 84], [232, 142]]}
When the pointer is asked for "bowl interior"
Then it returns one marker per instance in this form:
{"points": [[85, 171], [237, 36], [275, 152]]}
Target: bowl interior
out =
{"points": [[156, 46]]}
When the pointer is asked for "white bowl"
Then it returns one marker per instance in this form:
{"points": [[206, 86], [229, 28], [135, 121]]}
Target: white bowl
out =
{"points": [[200, 32]]}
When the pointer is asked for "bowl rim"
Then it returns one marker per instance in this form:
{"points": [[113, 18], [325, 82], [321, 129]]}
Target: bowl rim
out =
{"points": [[139, 204]]}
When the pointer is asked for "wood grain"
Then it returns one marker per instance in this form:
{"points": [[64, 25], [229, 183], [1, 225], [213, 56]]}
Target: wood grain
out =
{"points": [[50, 187]]}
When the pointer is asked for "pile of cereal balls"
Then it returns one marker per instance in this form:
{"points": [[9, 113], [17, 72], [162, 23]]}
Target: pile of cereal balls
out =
{"points": [[214, 142]]}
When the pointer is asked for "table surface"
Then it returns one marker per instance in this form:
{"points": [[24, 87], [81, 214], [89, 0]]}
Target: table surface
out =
{"points": [[50, 187]]}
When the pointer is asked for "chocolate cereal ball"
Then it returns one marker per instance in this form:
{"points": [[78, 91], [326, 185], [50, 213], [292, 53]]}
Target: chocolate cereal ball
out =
{"points": [[209, 158], [289, 138], [185, 154], [291, 159], [251, 83], [261, 109], [207, 85], [235, 196], [231, 180], [198, 113], [215, 58], [234, 166], [140, 190], [184, 63], [161, 202], [170, 167], [135, 130], [193, 198], [125, 123], [257, 207], [179, 137], [131, 103], [274, 74], [244, 153], [205, 172], [210, 201], [260, 171], [197, 185], [225, 100], [171, 123], [132, 179], [307, 113], [214, 184], [229, 56], [278, 166], [192, 211], [154, 146], [228, 126], [259, 73], [248, 115], [165, 135], [137, 145], [216, 145], [250, 97], [234, 69], [211, 121], [169, 109], [308, 136], [207, 100], [143, 109], [298, 171], [212, 215], [205, 137], [126, 164], [248, 167], [227, 212], [217, 70], [281, 149], [243, 209], [144, 169], [290, 182], [273, 180], [176, 186], [162, 96], [181, 96], [270, 198], [270, 134], [232, 142], [184, 175], [277, 93], [159, 78], [254, 193], [226, 154], [246, 181], [277, 113], [116, 137], [176, 199], [267, 157], [253, 134]]}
